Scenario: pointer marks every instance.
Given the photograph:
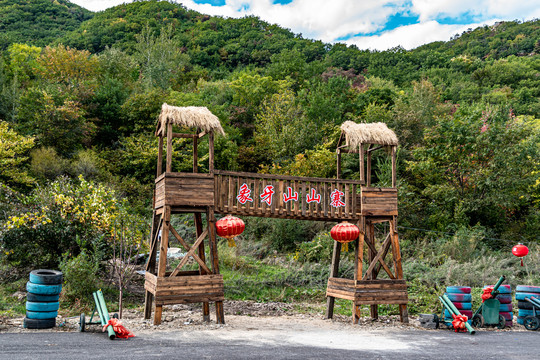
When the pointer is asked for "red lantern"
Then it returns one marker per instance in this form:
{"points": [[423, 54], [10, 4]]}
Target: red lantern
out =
{"points": [[520, 251], [345, 233], [229, 227]]}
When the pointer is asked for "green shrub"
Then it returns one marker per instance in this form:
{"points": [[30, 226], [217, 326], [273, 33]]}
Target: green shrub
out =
{"points": [[80, 277], [317, 250]]}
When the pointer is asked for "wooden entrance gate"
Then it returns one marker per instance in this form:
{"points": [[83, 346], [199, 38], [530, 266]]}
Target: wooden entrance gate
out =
{"points": [[276, 196]]}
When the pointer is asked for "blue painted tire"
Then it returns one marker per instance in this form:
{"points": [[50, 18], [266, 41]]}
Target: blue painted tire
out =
{"points": [[520, 320], [507, 315], [504, 298], [39, 323], [43, 289], [467, 313], [46, 277], [459, 297], [42, 298], [509, 323], [528, 288], [524, 295], [503, 289], [458, 290], [46, 306], [525, 312], [41, 314], [505, 307], [462, 305]]}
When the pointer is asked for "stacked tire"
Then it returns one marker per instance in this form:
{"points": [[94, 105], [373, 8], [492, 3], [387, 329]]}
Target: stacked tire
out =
{"points": [[525, 308], [462, 299], [42, 304], [505, 298]]}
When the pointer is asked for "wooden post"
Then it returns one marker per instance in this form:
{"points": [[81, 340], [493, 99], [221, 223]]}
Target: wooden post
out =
{"points": [[151, 266], [362, 171], [195, 152], [162, 265], [199, 230], [370, 232], [403, 312], [211, 152], [338, 165], [168, 165], [394, 167], [160, 156], [220, 315], [368, 168], [334, 272]]}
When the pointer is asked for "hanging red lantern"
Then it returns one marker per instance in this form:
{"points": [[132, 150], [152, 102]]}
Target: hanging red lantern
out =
{"points": [[520, 251], [344, 233], [229, 227]]}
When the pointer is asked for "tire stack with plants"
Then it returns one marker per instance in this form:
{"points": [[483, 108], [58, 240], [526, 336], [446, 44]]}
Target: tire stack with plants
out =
{"points": [[506, 308], [42, 304], [525, 308], [461, 298]]}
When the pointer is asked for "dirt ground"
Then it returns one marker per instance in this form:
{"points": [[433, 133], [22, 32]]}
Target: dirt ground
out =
{"points": [[239, 316]]}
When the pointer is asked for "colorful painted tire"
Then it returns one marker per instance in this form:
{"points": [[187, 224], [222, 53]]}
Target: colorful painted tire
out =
{"points": [[524, 295], [41, 314], [42, 298], [520, 320], [46, 277], [528, 288], [505, 307], [509, 323], [458, 290], [507, 315], [459, 297], [43, 289], [524, 304], [524, 312], [504, 298], [39, 323], [462, 305], [46, 306], [467, 313], [503, 289]]}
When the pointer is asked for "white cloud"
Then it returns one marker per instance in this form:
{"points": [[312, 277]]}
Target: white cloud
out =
{"points": [[331, 20], [412, 36]]}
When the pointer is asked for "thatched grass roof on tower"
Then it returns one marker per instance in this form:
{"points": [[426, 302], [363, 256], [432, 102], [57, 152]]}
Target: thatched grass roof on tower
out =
{"points": [[374, 133], [190, 116]]}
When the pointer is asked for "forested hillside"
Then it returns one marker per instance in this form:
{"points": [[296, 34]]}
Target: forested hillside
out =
{"points": [[80, 95]]}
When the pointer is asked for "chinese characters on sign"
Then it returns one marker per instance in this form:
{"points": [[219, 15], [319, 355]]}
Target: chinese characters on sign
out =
{"points": [[290, 195]]}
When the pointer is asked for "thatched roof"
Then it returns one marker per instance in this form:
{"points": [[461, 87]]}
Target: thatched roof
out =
{"points": [[374, 133], [190, 116]]}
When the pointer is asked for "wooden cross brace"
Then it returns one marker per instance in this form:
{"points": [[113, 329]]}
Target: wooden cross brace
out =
{"points": [[381, 254], [191, 251]]}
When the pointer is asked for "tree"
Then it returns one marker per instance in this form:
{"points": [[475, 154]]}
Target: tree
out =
{"points": [[13, 150]]}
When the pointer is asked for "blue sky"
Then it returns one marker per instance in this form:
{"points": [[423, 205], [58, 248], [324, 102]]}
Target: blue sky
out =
{"points": [[369, 24]]}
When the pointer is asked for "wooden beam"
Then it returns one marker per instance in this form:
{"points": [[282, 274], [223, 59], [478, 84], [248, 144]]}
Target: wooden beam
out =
{"points": [[362, 171], [211, 152], [338, 165], [394, 167], [334, 271], [195, 154], [376, 148], [368, 168], [379, 257], [191, 253], [200, 135], [184, 136], [202, 256], [168, 166], [160, 157]]}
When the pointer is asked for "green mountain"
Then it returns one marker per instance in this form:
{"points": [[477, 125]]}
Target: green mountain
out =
{"points": [[38, 22]]}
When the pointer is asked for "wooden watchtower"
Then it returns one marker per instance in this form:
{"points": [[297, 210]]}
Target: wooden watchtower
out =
{"points": [[378, 206], [274, 196], [180, 193]]}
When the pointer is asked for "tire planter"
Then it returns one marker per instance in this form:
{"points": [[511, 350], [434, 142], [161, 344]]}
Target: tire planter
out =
{"points": [[459, 297], [523, 304], [43, 289], [508, 316], [458, 290], [524, 295], [503, 289], [528, 289], [42, 307], [504, 298], [42, 298], [41, 314], [46, 277], [39, 323], [505, 308], [509, 323]]}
